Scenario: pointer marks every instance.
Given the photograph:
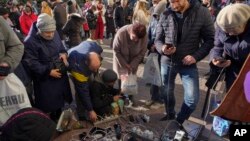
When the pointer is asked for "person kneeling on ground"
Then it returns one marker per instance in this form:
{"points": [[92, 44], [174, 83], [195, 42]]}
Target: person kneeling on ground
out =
{"points": [[102, 92]]}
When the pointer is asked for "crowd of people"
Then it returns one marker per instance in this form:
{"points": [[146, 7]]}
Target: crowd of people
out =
{"points": [[47, 44]]}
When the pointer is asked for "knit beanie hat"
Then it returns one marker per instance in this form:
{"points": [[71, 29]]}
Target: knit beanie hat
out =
{"points": [[70, 7], [45, 23], [109, 76], [28, 124], [233, 15]]}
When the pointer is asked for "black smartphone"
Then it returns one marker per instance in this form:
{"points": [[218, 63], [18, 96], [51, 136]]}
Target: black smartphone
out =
{"points": [[220, 59], [169, 46], [4, 71]]}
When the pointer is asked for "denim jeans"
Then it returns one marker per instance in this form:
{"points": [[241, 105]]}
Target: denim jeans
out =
{"points": [[190, 81]]}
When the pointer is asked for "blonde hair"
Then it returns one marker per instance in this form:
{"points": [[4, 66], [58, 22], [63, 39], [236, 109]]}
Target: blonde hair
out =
{"points": [[111, 2], [46, 9], [141, 6]]}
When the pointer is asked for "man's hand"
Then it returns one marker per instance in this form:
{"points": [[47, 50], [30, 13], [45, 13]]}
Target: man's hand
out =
{"points": [[55, 73], [167, 50], [116, 98], [3, 65], [221, 64], [93, 116], [188, 60]]}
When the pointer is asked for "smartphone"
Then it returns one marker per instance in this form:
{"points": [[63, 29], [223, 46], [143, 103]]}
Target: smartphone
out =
{"points": [[220, 59], [4, 71], [169, 46]]}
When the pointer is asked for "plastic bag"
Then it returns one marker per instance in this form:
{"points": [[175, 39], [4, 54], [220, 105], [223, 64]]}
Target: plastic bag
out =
{"points": [[151, 72], [129, 84], [221, 126], [13, 97]]}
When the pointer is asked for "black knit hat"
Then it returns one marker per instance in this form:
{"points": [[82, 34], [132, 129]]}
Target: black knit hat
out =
{"points": [[3, 11], [28, 124], [109, 76]]}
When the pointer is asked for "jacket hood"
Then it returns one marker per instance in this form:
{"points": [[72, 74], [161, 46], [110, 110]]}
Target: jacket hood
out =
{"points": [[160, 7]]}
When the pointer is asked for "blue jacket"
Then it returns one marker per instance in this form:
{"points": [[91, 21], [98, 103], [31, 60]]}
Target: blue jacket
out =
{"points": [[78, 66], [38, 54], [234, 48]]}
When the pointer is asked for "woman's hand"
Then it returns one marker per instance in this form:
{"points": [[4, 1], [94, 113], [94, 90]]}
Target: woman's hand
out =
{"points": [[221, 64], [55, 73]]}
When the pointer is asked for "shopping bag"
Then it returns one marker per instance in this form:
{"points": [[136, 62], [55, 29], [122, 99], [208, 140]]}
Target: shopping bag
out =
{"points": [[13, 97], [151, 73], [129, 84], [220, 126]]}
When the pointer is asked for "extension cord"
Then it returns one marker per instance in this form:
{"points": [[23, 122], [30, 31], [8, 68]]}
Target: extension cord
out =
{"points": [[106, 119]]}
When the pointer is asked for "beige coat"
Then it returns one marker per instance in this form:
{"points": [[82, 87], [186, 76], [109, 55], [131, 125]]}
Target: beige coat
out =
{"points": [[127, 52]]}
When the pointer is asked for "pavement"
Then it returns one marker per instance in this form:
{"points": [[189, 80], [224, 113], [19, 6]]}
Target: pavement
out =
{"points": [[155, 115]]}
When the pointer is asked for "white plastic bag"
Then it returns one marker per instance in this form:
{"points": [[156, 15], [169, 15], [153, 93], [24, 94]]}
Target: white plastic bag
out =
{"points": [[152, 74], [129, 84], [13, 97]]}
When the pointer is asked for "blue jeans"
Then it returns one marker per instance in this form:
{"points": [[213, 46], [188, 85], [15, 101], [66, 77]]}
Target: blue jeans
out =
{"points": [[190, 79]]}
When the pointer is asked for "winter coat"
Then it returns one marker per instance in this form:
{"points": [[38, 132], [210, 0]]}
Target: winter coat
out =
{"points": [[110, 26], [101, 96], [72, 30], [127, 51], [11, 49], [195, 29], [119, 17], [60, 16], [91, 19], [234, 48], [78, 65], [38, 57], [26, 22]]}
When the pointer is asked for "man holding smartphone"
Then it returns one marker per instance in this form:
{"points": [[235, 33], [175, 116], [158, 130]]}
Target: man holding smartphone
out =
{"points": [[11, 49], [179, 33]]}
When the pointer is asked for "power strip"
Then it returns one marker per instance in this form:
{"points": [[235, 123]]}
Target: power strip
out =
{"points": [[106, 119]]}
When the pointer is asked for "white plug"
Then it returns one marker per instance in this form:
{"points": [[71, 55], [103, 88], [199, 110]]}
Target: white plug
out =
{"points": [[179, 135]]}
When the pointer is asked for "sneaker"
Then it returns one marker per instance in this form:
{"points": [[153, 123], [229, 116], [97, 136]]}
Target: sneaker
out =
{"points": [[167, 117], [149, 102], [156, 105]]}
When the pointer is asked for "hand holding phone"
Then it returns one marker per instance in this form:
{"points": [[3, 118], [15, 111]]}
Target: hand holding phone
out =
{"points": [[220, 59]]}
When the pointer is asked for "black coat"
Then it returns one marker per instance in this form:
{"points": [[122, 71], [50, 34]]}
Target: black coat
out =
{"points": [[72, 30], [119, 17], [91, 19], [110, 26], [102, 97], [49, 92], [195, 28]]}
